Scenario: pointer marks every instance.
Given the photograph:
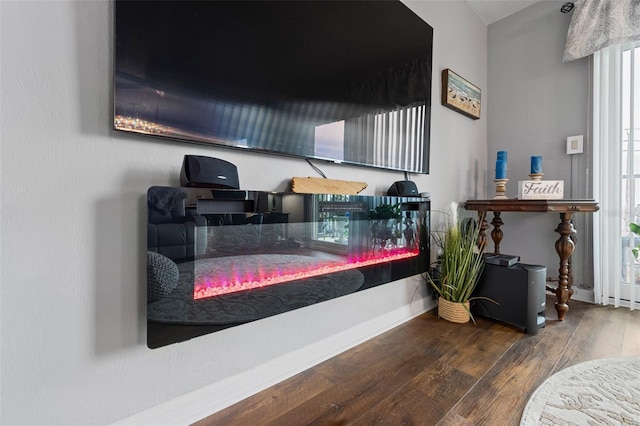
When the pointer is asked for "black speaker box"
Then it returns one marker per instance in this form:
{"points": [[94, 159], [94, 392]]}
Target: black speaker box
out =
{"points": [[517, 293], [208, 172], [403, 188]]}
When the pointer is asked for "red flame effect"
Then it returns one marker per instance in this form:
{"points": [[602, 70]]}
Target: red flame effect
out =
{"points": [[215, 286]]}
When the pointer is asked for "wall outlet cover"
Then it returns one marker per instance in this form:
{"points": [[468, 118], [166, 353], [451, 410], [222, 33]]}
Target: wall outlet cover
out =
{"points": [[575, 144]]}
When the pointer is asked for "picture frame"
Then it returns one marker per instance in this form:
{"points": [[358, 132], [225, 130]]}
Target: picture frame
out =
{"points": [[460, 95]]}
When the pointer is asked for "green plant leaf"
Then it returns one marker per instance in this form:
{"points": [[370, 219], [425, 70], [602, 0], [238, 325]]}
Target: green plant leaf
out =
{"points": [[635, 228]]}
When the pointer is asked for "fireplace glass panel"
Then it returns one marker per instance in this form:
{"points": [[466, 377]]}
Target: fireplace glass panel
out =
{"points": [[222, 258]]}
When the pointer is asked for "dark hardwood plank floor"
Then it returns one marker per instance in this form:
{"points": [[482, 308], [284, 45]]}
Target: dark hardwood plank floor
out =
{"points": [[432, 372]]}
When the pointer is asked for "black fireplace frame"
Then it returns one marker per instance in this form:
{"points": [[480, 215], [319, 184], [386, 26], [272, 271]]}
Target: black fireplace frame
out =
{"points": [[328, 229]]}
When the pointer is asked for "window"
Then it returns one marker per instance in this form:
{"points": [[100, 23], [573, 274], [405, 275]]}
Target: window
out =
{"points": [[616, 139]]}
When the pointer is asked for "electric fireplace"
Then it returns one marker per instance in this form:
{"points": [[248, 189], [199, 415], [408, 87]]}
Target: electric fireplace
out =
{"points": [[222, 258]]}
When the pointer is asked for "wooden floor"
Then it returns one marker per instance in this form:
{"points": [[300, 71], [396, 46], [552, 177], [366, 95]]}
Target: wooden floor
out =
{"points": [[432, 372]]}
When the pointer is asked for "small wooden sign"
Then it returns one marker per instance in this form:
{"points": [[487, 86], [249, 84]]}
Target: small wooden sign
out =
{"points": [[541, 189], [311, 185]]}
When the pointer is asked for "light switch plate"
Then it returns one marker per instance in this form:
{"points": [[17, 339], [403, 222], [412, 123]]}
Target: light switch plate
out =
{"points": [[574, 144]]}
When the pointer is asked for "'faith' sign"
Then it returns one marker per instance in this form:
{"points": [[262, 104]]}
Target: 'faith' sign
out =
{"points": [[541, 189]]}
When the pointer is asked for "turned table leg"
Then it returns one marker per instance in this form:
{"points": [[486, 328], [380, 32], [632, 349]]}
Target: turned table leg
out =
{"points": [[564, 248], [496, 233]]}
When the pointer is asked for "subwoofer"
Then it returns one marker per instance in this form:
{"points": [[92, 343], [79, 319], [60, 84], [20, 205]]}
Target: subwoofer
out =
{"points": [[515, 294], [208, 172]]}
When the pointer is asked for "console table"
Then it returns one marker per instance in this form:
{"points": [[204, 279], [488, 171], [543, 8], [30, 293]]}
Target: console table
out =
{"points": [[564, 246]]}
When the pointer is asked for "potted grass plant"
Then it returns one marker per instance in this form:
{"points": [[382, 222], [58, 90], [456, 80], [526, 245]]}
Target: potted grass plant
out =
{"points": [[460, 264]]}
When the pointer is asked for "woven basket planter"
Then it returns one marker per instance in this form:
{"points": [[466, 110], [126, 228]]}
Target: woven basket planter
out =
{"points": [[453, 311]]}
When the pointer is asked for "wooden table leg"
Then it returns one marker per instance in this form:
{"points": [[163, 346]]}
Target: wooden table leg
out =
{"points": [[564, 248], [496, 233]]}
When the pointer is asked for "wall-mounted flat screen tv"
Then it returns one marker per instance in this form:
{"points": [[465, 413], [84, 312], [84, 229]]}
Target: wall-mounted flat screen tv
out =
{"points": [[342, 81]]}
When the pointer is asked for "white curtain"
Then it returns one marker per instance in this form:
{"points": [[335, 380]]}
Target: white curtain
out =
{"points": [[614, 175], [606, 173], [597, 24]]}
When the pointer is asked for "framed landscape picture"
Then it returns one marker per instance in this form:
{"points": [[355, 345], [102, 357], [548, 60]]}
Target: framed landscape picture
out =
{"points": [[460, 95]]}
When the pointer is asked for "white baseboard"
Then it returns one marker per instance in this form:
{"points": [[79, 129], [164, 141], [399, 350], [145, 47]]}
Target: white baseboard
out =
{"points": [[588, 296], [583, 295], [201, 403], [624, 303]]}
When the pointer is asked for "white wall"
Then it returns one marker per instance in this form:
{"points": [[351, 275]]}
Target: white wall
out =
{"points": [[72, 218], [534, 103]]}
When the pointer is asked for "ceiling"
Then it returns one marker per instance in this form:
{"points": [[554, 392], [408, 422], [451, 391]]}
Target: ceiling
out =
{"points": [[491, 11]]}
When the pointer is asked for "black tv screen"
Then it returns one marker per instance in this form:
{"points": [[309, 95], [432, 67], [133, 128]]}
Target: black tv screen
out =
{"points": [[342, 81]]}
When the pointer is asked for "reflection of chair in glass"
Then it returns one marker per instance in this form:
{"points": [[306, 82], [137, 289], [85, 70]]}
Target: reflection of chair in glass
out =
{"points": [[233, 234], [170, 231]]}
